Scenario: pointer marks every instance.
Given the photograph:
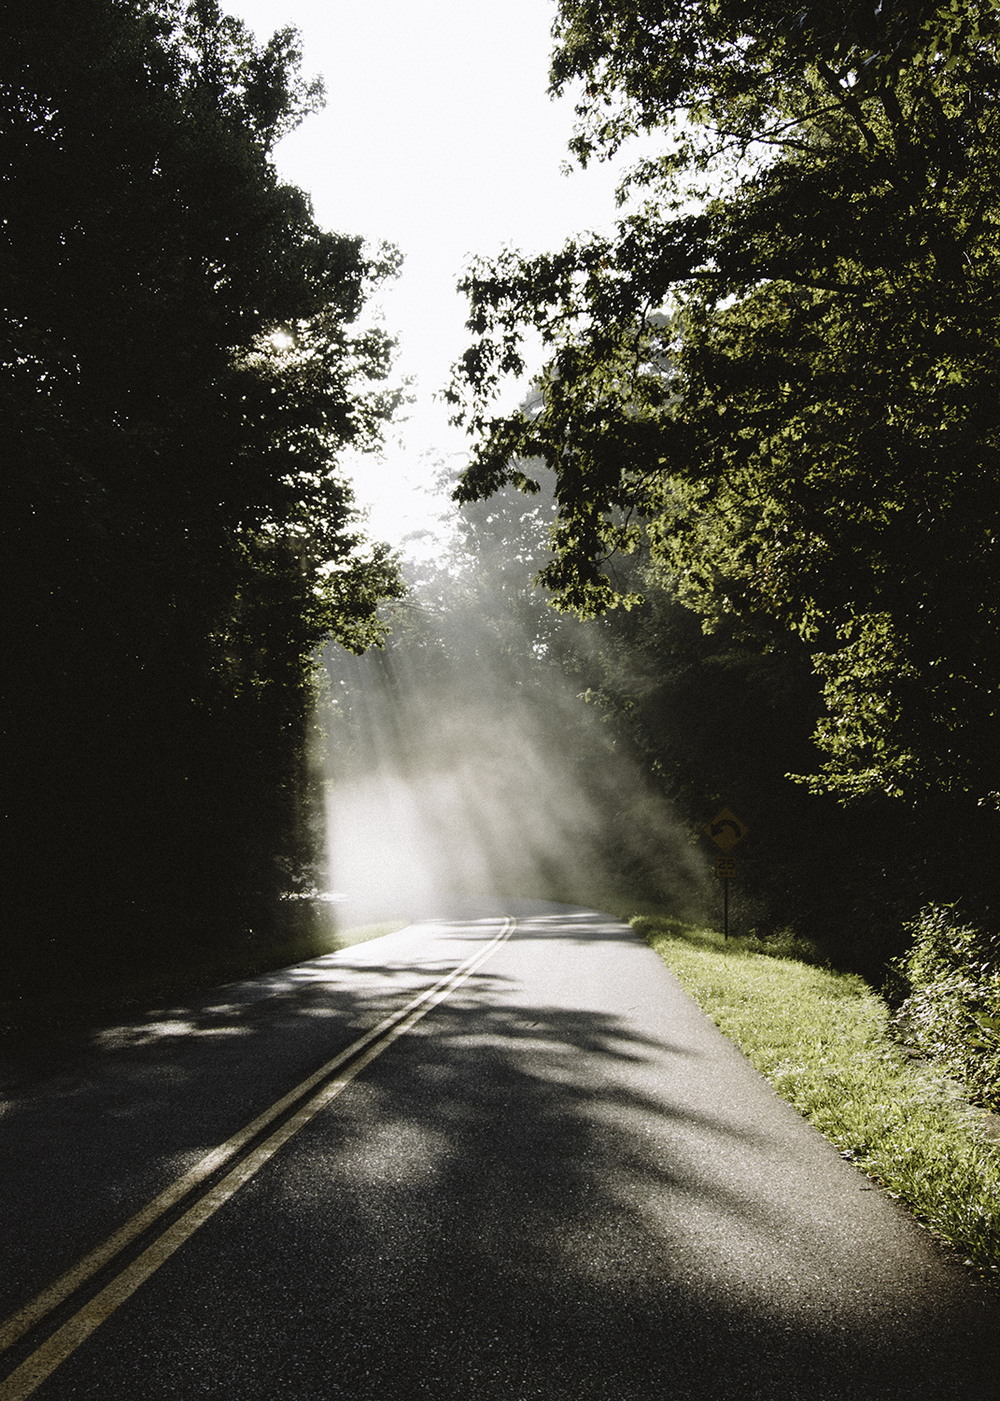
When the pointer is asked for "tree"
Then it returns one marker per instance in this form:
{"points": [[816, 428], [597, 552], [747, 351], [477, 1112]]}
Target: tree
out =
{"points": [[182, 365], [781, 370]]}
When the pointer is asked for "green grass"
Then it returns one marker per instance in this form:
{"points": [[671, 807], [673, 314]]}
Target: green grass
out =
{"points": [[361, 933], [822, 1039]]}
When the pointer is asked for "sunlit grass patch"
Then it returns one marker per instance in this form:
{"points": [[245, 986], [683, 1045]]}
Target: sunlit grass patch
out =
{"points": [[362, 933], [822, 1039]]}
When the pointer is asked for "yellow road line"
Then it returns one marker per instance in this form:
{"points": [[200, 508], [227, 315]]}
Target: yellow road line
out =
{"points": [[26, 1378]]}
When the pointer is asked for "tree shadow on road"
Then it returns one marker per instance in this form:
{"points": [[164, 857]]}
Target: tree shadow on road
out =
{"points": [[525, 1197]]}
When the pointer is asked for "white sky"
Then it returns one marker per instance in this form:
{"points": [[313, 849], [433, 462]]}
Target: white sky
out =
{"points": [[438, 136]]}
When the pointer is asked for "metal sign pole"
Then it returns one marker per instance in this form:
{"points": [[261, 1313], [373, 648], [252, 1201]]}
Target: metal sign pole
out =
{"points": [[725, 907]]}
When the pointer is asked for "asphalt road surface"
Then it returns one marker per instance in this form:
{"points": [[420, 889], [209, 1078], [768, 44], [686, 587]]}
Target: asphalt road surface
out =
{"points": [[478, 1159]]}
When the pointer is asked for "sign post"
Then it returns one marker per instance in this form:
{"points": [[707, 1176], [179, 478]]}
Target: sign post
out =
{"points": [[726, 830]]}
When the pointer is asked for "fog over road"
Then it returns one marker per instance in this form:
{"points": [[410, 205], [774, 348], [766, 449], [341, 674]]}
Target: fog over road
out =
{"points": [[553, 1179]]}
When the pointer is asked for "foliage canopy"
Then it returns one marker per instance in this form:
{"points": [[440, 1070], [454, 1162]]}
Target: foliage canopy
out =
{"points": [[182, 364], [781, 371]]}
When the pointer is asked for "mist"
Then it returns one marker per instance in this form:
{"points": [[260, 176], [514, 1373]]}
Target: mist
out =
{"points": [[465, 762]]}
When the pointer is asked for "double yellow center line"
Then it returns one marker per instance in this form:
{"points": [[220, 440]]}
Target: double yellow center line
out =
{"points": [[331, 1079]]}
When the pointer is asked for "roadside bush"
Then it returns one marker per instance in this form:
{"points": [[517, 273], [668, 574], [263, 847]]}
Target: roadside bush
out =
{"points": [[951, 1013]]}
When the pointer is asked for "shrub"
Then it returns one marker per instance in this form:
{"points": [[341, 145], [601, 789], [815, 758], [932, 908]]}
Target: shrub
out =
{"points": [[951, 1013]]}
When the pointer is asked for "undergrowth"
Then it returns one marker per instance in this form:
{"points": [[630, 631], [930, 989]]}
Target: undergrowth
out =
{"points": [[68, 1012], [951, 1010]]}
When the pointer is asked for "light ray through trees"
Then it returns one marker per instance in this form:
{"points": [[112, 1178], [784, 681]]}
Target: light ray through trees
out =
{"points": [[466, 762]]}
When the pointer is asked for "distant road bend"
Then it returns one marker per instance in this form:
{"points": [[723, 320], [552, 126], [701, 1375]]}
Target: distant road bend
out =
{"points": [[483, 1159]]}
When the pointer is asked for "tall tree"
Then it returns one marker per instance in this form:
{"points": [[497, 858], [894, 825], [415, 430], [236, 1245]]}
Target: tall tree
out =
{"points": [[783, 366], [181, 366]]}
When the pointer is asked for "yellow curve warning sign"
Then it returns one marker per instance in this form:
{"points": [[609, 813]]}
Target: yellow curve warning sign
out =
{"points": [[725, 829]]}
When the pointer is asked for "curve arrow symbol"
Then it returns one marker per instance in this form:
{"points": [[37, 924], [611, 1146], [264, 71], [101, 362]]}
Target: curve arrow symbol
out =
{"points": [[725, 829]]}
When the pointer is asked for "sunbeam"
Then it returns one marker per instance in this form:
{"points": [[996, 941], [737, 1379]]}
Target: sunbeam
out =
{"points": [[465, 763]]}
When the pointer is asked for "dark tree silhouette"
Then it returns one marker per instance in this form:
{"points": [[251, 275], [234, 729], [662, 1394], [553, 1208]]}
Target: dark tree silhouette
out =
{"points": [[181, 365]]}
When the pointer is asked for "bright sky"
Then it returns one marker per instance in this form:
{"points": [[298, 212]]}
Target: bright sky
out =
{"points": [[438, 136]]}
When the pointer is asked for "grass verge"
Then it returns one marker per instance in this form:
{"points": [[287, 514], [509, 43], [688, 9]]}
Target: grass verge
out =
{"points": [[362, 933], [822, 1039], [68, 1012]]}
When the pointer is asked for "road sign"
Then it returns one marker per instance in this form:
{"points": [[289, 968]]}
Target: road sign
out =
{"points": [[725, 829], [725, 867]]}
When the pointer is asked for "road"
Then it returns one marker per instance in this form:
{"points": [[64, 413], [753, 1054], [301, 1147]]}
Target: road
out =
{"points": [[552, 1178]]}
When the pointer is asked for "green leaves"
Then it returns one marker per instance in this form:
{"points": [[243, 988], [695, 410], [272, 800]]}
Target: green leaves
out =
{"points": [[178, 534], [791, 385]]}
